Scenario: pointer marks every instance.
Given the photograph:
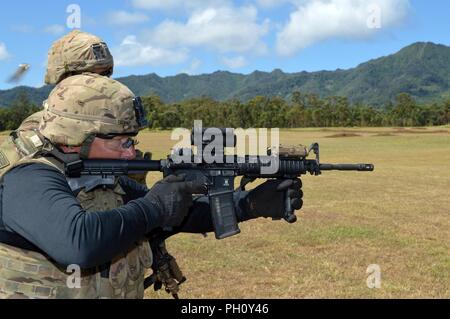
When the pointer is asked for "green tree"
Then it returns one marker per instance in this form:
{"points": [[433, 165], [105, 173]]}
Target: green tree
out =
{"points": [[20, 109], [405, 110], [301, 110]]}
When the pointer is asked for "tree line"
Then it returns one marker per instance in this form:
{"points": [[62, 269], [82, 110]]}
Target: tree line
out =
{"points": [[301, 110], [20, 109]]}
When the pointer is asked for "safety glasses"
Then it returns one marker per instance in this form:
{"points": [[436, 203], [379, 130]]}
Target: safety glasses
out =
{"points": [[115, 141]]}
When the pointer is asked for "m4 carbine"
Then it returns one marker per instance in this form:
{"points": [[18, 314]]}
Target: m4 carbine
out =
{"points": [[219, 176]]}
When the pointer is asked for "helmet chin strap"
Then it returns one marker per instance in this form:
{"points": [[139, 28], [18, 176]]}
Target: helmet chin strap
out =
{"points": [[51, 150], [86, 147]]}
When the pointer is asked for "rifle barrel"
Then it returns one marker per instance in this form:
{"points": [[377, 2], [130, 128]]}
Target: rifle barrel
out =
{"points": [[347, 167]]}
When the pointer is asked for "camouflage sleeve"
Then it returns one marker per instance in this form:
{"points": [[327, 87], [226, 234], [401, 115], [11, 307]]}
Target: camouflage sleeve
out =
{"points": [[199, 220], [38, 204]]}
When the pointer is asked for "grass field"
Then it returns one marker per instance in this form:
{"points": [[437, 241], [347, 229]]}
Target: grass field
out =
{"points": [[397, 217]]}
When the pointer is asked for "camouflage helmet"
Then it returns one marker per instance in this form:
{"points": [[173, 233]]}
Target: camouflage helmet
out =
{"points": [[89, 104], [32, 122], [75, 53]]}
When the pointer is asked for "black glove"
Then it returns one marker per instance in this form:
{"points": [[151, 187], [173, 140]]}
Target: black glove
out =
{"points": [[173, 197], [271, 199]]}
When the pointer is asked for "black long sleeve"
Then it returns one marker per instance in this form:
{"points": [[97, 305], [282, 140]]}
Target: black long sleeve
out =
{"points": [[199, 219], [132, 188], [38, 204]]}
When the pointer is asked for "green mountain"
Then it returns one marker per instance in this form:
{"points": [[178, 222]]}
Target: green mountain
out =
{"points": [[421, 69], [36, 95]]}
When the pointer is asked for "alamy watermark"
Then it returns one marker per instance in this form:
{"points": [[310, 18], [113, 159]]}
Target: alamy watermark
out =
{"points": [[375, 14], [74, 19], [74, 278], [374, 279], [209, 145]]}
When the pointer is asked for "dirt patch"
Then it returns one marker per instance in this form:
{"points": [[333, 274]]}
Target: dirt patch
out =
{"points": [[384, 134], [343, 135], [420, 131]]}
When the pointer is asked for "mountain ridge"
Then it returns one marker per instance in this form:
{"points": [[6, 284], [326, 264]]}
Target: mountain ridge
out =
{"points": [[421, 69]]}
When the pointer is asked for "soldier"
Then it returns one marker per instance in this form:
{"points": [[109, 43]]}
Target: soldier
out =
{"points": [[76, 53], [48, 222], [73, 54]]}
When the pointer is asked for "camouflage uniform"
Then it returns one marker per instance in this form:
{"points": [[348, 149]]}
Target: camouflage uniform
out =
{"points": [[73, 54], [79, 107]]}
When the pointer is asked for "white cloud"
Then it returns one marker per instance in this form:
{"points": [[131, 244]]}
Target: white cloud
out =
{"points": [[3, 52], [193, 67], [270, 3], [235, 63], [133, 53], [55, 29], [187, 5], [224, 28], [126, 18], [318, 20]]}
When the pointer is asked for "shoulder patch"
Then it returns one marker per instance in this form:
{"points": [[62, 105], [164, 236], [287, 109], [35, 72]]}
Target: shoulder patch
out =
{"points": [[3, 160]]}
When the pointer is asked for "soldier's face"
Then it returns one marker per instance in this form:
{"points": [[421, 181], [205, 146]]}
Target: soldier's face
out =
{"points": [[119, 147]]}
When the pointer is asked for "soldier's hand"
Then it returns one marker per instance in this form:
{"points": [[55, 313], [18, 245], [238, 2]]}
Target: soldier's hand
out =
{"points": [[173, 197], [270, 199]]}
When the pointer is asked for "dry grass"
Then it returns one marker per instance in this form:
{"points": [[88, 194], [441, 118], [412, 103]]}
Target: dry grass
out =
{"points": [[397, 217]]}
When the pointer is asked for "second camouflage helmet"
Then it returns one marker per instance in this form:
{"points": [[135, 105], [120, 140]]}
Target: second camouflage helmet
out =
{"points": [[75, 53], [90, 104]]}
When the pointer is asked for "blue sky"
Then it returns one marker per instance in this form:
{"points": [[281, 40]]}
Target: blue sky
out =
{"points": [[168, 37]]}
